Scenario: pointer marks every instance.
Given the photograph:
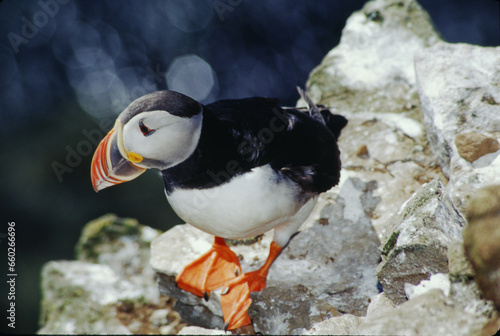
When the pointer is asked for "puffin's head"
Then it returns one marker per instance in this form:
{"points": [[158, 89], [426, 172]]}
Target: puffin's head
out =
{"points": [[158, 130]]}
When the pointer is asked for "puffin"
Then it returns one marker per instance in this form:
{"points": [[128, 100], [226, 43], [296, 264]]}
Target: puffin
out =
{"points": [[234, 168]]}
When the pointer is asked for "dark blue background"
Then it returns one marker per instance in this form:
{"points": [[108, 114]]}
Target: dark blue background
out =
{"points": [[62, 84]]}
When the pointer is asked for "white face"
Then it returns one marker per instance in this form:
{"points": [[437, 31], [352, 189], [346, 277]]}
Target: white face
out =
{"points": [[162, 137]]}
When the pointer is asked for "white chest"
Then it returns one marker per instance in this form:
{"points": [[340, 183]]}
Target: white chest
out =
{"points": [[249, 205]]}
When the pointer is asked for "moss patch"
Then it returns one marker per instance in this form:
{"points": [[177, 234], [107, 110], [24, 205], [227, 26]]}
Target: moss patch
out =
{"points": [[103, 231], [391, 242]]}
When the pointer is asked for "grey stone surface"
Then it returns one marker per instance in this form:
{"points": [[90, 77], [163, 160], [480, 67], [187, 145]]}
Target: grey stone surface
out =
{"points": [[431, 313], [458, 88], [111, 289], [418, 239]]}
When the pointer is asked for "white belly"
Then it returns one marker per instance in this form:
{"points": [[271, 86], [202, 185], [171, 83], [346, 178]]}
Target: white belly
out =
{"points": [[250, 204]]}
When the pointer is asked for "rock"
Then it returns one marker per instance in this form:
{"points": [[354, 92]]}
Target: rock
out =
{"points": [[398, 159], [348, 324], [471, 146], [342, 325], [182, 244], [437, 281], [190, 330], [460, 100], [419, 237], [70, 287], [379, 305], [111, 289], [385, 140], [390, 32], [124, 245], [482, 241], [325, 268], [427, 314], [459, 267], [463, 289]]}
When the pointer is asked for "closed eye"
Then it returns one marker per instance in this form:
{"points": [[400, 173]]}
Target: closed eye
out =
{"points": [[146, 131]]}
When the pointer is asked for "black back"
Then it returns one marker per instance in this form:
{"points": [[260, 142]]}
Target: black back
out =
{"points": [[238, 135]]}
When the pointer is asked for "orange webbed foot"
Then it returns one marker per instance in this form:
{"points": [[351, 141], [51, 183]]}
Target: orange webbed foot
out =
{"points": [[235, 298], [211, 271]]}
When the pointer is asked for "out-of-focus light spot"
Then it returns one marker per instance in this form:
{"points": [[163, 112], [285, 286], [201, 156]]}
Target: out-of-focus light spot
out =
{"points": [[189, 15], [88, 56], [110, 39], [192, 76], [101, 93], [95, 82]]}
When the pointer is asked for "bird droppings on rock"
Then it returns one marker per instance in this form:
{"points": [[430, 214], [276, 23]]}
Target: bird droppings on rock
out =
{"points": [[439, 281]]}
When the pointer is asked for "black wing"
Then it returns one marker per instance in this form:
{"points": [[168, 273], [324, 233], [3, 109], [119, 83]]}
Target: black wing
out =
{"points": [[238, 135]]}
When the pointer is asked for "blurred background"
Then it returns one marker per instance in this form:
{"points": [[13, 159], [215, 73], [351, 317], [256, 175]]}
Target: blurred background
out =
{"points": [[68, 67]]}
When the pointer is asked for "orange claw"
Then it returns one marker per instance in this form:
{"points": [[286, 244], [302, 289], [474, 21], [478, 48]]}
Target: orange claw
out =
{"points": [[235, 299], [211, 271]]}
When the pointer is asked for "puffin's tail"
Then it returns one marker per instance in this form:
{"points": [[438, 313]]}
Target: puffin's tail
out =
{"points": [[334, 122]]}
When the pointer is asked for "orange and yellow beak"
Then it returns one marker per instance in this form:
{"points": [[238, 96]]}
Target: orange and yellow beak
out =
{"points": [[109, 166]]}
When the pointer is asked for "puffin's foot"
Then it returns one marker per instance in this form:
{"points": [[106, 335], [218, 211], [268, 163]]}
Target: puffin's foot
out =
{"points": [[235, 298], [211, 271]]}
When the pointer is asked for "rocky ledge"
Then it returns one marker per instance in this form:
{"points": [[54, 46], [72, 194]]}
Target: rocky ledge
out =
{"points": [[383, 252]]}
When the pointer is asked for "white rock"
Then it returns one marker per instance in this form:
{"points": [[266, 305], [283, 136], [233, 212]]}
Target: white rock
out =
{"points": [[372, 67], [339, 325], [458, 88], [439, 280], [380, 304], [428, 314], [159, 317], [190, 330], [70, 287]]}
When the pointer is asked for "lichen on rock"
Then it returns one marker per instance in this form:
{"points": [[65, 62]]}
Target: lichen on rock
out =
{"points": [[110, 289]]}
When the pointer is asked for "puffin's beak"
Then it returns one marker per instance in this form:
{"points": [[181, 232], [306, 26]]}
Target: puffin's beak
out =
{"points": [[108, 166]]}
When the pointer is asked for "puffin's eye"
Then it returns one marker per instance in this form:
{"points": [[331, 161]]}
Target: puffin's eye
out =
{"points": [[145, 130]]}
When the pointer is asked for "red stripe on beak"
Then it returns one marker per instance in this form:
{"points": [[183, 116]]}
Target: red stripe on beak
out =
{"points": [[108, 167], [99, 171]]}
